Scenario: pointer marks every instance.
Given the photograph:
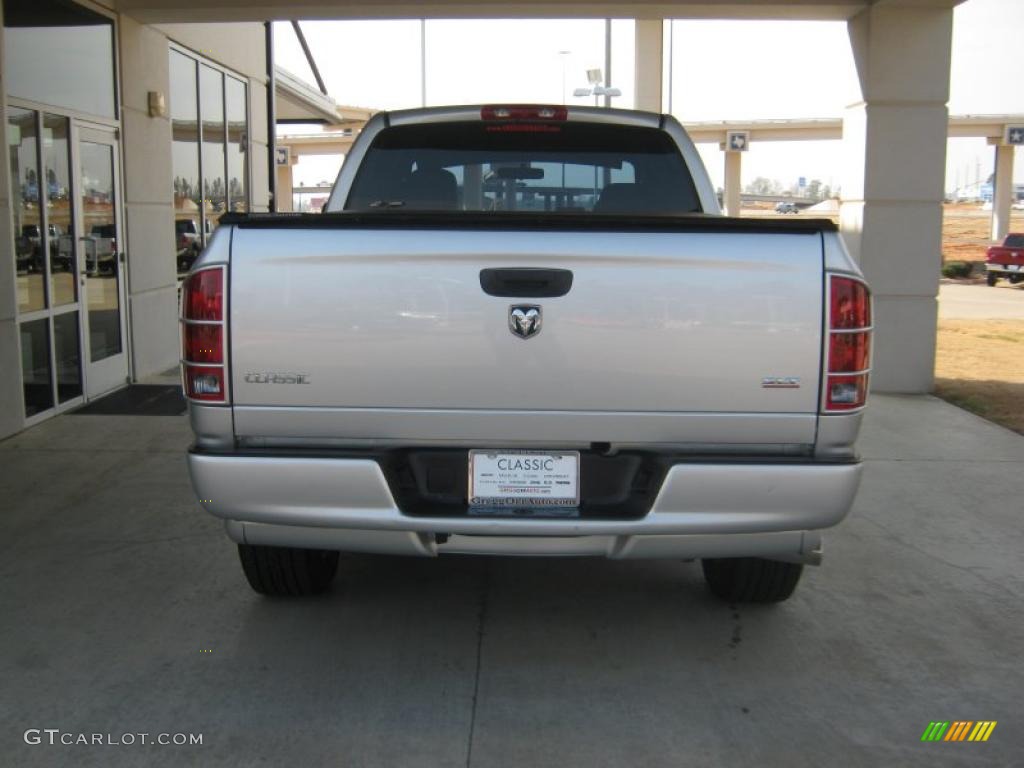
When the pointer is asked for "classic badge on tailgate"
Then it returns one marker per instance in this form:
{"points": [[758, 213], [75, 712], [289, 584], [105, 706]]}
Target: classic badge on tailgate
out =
{"points": [[276, 378]]}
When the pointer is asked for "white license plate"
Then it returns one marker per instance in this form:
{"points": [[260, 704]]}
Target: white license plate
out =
{"points": [[1013, 267], [524, 478]]}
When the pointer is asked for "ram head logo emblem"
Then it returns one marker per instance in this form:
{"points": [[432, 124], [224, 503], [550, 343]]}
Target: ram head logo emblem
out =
{"points": [[524, 320]]}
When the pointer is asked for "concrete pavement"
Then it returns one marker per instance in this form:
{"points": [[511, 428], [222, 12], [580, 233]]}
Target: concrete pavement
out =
{"points": [[124, 611], [961, 301]]}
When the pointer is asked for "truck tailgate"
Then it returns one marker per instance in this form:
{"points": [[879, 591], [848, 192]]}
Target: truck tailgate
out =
{"points": [[338, 330]]}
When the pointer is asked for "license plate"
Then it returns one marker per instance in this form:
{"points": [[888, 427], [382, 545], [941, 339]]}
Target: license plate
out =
{"points": [[502, 479], [1013, 267]]}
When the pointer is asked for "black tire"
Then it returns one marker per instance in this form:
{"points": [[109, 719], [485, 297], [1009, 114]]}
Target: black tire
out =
{"points": [[991, 278], [288, 571], [751, 579], [1014, 279]]}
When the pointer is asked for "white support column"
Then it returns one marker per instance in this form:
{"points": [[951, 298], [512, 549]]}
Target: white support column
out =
{"points": [[731, 191], [649, 67], [1002, 193], [895, 145]]}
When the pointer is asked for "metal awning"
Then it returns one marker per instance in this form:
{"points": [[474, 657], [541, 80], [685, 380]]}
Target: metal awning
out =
{"points": [[299, 102]]}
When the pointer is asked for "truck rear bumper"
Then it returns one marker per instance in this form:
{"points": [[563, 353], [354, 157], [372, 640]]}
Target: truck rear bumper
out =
{"points": [[1006, 269], [702, 510]]}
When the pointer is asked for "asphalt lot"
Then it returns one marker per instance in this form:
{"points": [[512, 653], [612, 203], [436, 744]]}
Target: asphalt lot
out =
{"points": [[125, 612], [965, 301]]}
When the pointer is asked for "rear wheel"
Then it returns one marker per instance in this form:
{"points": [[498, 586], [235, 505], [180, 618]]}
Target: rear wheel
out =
{"points": [[751, 579], [991, 278], [288, 571]]}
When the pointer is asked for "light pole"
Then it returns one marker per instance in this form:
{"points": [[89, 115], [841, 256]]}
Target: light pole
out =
{"points": [[423, 62], [595, 77], [562, 55], [608, 59], [671, 49]]}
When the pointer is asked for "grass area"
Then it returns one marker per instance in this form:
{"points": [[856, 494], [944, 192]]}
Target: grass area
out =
{"points": [[965, 231], [965, 228], [979, 366]]}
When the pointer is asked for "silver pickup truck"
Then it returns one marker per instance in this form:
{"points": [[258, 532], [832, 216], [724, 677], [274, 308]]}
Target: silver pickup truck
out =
{"points": [[526, 330]]}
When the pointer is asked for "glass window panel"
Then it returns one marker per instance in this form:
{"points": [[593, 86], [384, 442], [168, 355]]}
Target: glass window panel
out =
{"points": [[69, 358], [101, 250], [211, 110], [35, 366], [22, 149], [238, 144], [61, 54], [184, 108], [60, 221]]}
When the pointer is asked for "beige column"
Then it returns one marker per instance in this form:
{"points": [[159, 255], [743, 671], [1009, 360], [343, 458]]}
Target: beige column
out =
{"points": [[149, 209], [731, 190], [1002, 192], [285, 186], [649, 66], [895, 149]]}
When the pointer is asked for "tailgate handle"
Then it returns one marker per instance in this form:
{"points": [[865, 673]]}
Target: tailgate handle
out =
{"points": [[525, 282]]}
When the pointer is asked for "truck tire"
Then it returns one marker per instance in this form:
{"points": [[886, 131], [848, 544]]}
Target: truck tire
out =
{"points": [[991, 278], [288, 571], [751, 579]]}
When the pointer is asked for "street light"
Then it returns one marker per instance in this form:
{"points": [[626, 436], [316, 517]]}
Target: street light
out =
{"points": [[595, 78], [597, 92]]}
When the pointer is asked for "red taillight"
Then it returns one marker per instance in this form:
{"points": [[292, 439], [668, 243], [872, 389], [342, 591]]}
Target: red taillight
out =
{"points": [[203, 343], [204, 295], [851, 307], [849, 352], [849, 344], [524, 112], [203, 336]]}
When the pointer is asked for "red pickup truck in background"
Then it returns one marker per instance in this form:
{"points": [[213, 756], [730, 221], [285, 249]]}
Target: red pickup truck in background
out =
{"points": [[1006, 260]]}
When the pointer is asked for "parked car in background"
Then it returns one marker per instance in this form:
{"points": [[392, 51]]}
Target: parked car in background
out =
{"points": [[188, 243], [29, 247], [26, 249], [1006, 260], [101, 249], [61, 249], [784, 207]]}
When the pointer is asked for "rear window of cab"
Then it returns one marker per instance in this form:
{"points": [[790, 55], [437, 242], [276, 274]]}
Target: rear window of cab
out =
{"points": [[564, 167]]}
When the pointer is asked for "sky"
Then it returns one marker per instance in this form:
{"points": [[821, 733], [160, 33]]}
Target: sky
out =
{"points": [[721, 70]]}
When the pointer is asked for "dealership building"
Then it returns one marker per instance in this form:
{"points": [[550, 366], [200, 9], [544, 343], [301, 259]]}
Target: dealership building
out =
{"points": [[133, 125], [126, 142]]}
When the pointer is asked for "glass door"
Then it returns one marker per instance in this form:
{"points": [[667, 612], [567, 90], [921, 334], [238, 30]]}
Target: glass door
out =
{"points": [[100, 258], [49, 307]]}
